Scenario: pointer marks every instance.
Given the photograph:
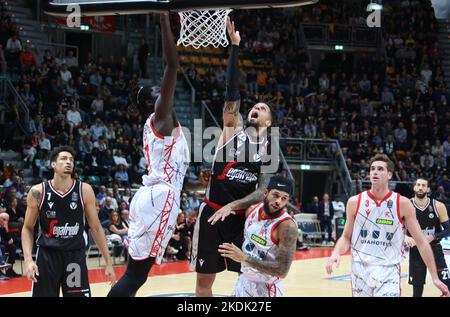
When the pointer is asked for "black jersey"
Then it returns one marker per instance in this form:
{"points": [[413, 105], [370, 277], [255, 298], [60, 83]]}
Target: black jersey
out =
{"points": [[61, 218], [428, 218], [236, 169]]}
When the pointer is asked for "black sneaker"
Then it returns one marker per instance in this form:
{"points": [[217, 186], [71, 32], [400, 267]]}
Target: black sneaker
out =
{"points": [[3, 277], [10, 273]]}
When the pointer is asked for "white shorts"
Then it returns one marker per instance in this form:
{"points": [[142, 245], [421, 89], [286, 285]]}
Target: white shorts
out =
{"points": [[247, 288], [153, 214], [375, 280]]}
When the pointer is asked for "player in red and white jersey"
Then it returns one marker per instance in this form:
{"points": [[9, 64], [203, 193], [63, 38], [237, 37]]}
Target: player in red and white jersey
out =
{"points": [[374, 231], [270, 239], [155, 206]]}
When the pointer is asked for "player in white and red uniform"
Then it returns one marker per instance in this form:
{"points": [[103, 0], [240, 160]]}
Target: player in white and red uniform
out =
{"points": [[270, 239], [375, 233], [156, 205]]}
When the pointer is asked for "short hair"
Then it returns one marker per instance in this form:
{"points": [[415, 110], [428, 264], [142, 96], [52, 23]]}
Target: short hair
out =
{"points": [[424, 179], [55, 153], [383, 158], [273, 114]]}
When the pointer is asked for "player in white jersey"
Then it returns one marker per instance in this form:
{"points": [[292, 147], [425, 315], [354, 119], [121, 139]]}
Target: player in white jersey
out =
{"points": [[270, 239], [155, 207], [374, 231]]}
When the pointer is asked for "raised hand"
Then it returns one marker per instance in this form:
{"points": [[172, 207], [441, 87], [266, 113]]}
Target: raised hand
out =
{"points": [[234, 35]]}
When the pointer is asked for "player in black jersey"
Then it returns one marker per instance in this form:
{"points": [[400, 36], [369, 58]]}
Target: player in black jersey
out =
{"points": [[236, 181], [61, 205], [431, 215]]}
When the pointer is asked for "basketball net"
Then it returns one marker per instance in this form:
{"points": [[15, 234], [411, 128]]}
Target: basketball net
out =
{"points": [[201, 28]]}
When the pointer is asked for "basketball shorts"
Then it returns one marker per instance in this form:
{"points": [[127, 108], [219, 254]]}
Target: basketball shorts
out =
{"points": [[248, 288], [153, 214], [375, 280], [61, 269], [205, 257], [418, 269]]}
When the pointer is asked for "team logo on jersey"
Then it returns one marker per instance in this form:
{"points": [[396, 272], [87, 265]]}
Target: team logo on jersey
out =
{"points": [[389, 235], [390, 203], [367, 212], [75, 196], [367, 203], [431, 216], [364, 233], [375, 234], [249, 247], [50, 204], [201, 261], [73, 205], [51, 214], [258, 239], [386, 222]]}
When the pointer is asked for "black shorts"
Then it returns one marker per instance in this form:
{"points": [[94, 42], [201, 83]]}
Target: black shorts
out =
{"points": [[418, 269], [61, 269], [205, 255]]}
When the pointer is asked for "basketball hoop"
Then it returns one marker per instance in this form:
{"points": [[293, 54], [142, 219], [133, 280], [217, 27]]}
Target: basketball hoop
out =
{"points": [[201, 28]]}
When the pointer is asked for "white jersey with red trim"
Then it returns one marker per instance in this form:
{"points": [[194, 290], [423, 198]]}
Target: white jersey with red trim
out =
{"points": [[378, 232], [260, 243], [167, 156]]}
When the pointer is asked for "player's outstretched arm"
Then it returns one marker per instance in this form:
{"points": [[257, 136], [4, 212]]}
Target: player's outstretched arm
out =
{"points": [[242, 204], [31, 216], [343, 243], [164, 121], [409, 215], [231, 115], [98, 234], [279, 267]]}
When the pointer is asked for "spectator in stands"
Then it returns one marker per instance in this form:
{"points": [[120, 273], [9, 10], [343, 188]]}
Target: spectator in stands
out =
{"points": [[119, 159], [325, 214], [71, 60], [117, 226], [195, 201], [127, 195], [36, 125], [121, 176], [101, 195], [7, 244], [181, 240], [125, 217], [338, 206], [106, 212], [27, 59], [16, 218], [427, 157], [184, 203], [73, 117], [98, 129], [29, 98], [44, 143], [314, 205]]}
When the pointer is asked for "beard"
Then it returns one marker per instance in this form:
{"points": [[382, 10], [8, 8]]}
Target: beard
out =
{"points": [[251, 124], [271, 214], [421, 196]]}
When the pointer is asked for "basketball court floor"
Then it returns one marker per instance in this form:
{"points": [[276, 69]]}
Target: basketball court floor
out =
{"points": [[307, 278]]}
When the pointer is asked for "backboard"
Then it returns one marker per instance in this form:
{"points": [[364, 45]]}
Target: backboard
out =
{"points": [[127, 7]]}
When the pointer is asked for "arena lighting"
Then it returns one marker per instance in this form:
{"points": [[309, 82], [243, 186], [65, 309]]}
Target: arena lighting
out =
{"points": [[338, 47], [84, 27], [305, 167]]}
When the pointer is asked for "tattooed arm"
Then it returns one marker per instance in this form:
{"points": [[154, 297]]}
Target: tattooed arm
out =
{"points": [[231, 116], [254, 198], [31, 216], [287, 233]]}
